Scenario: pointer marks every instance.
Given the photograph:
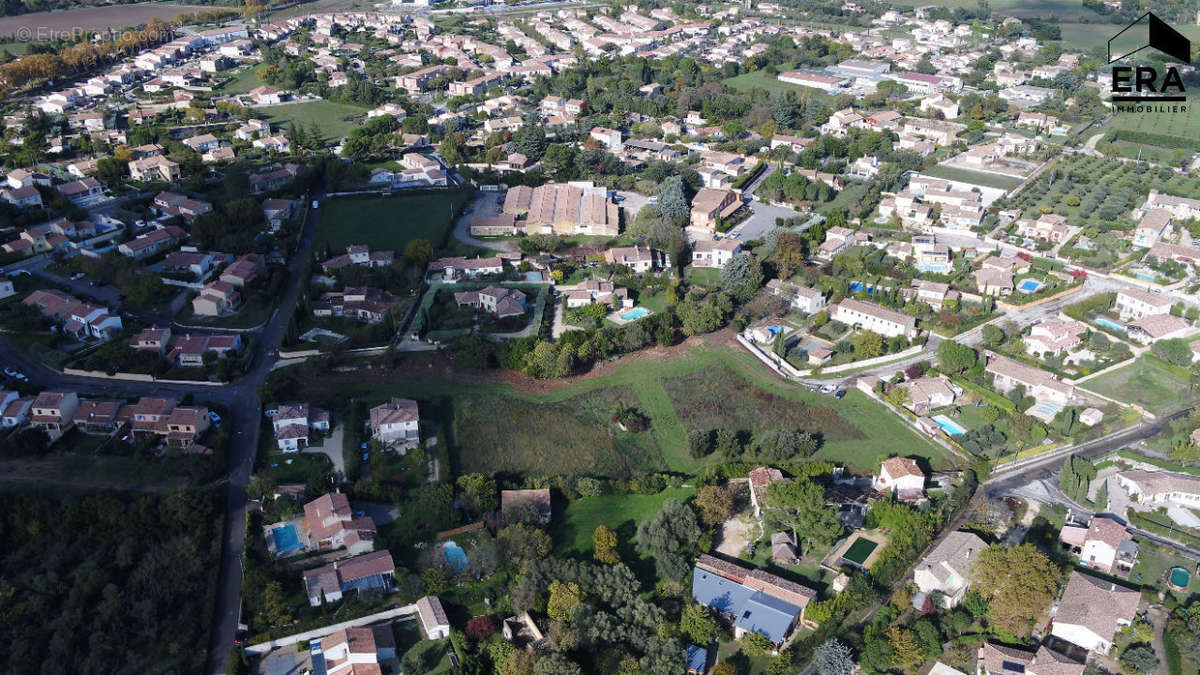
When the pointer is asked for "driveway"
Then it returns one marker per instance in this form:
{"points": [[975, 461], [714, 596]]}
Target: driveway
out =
{"points": [[332, 448], [632, 202], [484, 205], [761, 220]]}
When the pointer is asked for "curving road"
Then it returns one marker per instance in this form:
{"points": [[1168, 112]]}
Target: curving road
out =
{"points": [[240, 398]]}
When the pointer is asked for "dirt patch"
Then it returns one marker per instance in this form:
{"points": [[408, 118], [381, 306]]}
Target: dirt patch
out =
{"points": [[735, 533]]}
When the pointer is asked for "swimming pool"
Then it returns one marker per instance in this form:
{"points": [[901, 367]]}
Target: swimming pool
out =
{"points": [[860, 550], [1110, 324], [456, 557], [286, 539], [1146, 276], [1030, 286], [635, 314], [1179, 578], [856, 286], [949, 426]]}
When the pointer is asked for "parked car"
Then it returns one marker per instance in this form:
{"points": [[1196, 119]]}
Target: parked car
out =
{"points": [[214, 417], [828, 389], [840, 394]]}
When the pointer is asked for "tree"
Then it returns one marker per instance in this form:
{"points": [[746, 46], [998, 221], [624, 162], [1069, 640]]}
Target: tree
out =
{"points": [[556, 664], [1018, 583], [520, 543], [756, 644], [800, 506], [563, 599], [724, 668], [480, 627], [604, 545], [1141, 657], [868, 344], [531, 141], [742, 275], [783, 444], [673, 205], [479, 492], [897, 396], [275, 605], [671, 537], [954, 357], [715, 504], [993, 335], [700, 443], [833, 658], [790, 253], [435, 580], [418, 252], [905, 651], [1175, 351], [697, 624]]}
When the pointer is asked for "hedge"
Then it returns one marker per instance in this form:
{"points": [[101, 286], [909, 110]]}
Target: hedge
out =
{"points": [[1160, 463], [1150, 524], [1151, 138], [984, 393]]}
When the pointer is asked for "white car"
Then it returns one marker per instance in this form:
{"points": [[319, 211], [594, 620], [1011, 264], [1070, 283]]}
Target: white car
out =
{"points": [[828, 389]]}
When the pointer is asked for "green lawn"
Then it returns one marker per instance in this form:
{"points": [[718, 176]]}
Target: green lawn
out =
{"points": [[702, 276], [761, 79], [1153, 563], [495, 427], [244, 81], [298, 467], [334, 120], [1057, 10], [385, 223], [572, 527], [1145, 382], [1184, 125], [973, 177]]}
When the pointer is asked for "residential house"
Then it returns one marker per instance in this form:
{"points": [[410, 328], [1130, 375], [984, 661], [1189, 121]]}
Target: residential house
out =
{"points": [[1104, 545], [278, 211], [79, 319], [433, 618], [329, 583], [599, 291], [503, 303], [754, 600], [15, 411], [803, 298], [359, 254], [454, 269], [900, 475], [152, 242], [1049, 227], [872, 317], [1009, 374], [711, 206], [330, 523], [1054, 337], [358, 650], [1091, 612], [54, 412], [945, 573], [760, 480], [151, 340], [82, 191], [396, 423], [216, 298], [293, 422], [189, 350], [610, 139], [1134, 303], [714, 252], [640, 259], [362, 303], [97, 416], [996, 659], [154, 168], [927, 393], [245, 269], [202, 142], [1161, 488], [933, 293], [1153, 226], [1155, 327]]}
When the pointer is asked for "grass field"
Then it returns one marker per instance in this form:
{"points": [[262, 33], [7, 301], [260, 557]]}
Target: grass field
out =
{"points": [[1183, 125], [1145, 382], [335, 120], [244, 81], [498, 428], [45, 25], [973, 177], [761, 79], [1060, 10], [385, 223], [572, 528]]}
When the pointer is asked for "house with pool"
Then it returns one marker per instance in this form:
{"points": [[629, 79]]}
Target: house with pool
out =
{"points": [[1051, 394], [330, 523]]}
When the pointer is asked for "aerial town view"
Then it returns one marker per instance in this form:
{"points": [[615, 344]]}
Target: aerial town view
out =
{"points": [[600, 337]]}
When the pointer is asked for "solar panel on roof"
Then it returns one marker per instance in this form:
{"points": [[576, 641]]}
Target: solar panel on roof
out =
{"points": [[1013, 667]]}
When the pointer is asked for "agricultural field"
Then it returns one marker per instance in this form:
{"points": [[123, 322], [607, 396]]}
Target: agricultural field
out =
{"points": [[1098, 192], [334, 120], [761, 79], [385, 223], [1056, 10], [1185, 126], [42, 26], [1148, 382]]}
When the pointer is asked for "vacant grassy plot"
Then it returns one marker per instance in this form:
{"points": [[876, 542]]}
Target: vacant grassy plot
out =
{"points": [[572, 528], [1145, 382], [385, 223], [93, 472], [334, 120], [1060, 10], [244, 81], [1185, 125], [497, 433], [973, 177], [761, 79]]}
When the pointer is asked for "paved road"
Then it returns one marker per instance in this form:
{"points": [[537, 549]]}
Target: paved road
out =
{"points": [[484, 204], [761, 220]]}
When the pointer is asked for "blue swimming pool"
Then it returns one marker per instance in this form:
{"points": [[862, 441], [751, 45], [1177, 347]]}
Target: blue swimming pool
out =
{"points": [[1146, 276], [286, 539], [1110, 324], [636, 313], [856, 286], [1030, 286], [949, 426], [456, 557]]}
